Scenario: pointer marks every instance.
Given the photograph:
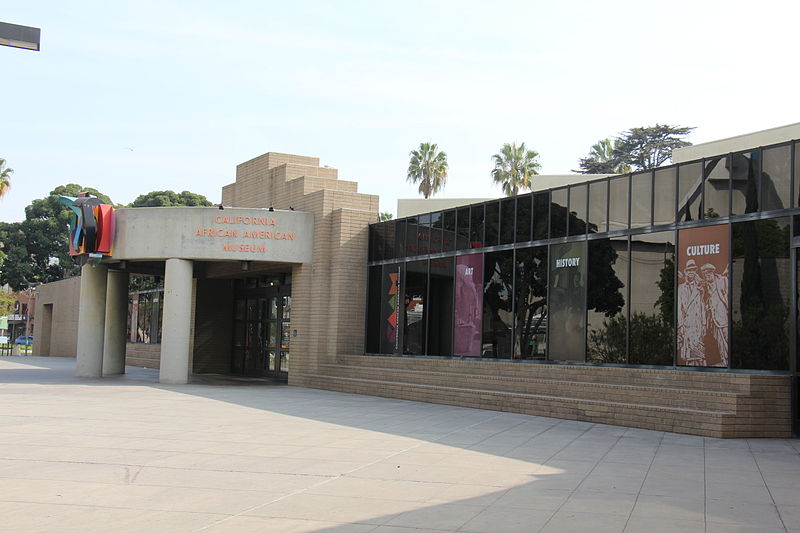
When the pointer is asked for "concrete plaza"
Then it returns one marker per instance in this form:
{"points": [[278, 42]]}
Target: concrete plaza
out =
{"points": [[230, 455]]}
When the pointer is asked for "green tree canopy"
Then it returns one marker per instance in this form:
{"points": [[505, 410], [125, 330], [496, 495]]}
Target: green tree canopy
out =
{"points": [[170, 199], [384, 216], [651, 146], [603, 159], [514, 166], [37, 249], [5, 177], [428, 167]]}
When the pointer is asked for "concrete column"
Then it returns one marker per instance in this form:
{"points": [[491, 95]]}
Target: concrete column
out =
{"points": [[116, 328], [175, 336], [91, 321]]}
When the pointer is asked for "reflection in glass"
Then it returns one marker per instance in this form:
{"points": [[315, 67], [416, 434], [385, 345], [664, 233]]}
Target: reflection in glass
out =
{"points": [[641, 191], [761, 294], [400, 239], [618, 203], [605, 301], [449, 231], [577, 209], [476, 226], [664, 196], [492, 227], [558, 212], [796, 201], [716, 192], [415, 295], [377, 242], [652, 299], [690, 191], [598, 206], [567, 302], [745, 182], [286, 303], [776, 177], [498, 277], [435, 242], [507, 216], [524, 217], [440, 304], [530, 303], [541, 215], [462, 222]]}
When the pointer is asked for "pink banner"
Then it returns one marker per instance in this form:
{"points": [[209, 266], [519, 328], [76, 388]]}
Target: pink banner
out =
{"points": [[469, 305]]}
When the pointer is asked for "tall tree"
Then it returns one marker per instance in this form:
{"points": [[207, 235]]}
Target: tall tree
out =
{"points": [[428, 167], [37, 249], [170, 199], [649, 147], [5, 177], [514, 167], [602, 159], [384, 216]]}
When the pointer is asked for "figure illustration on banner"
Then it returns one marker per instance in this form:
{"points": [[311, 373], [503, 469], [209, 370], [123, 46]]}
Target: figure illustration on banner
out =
{"points": [[702, 315]]}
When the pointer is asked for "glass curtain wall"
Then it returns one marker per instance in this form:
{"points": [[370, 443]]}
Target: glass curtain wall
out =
{"points": [[415, 298], [530, 303], [498, 318]]}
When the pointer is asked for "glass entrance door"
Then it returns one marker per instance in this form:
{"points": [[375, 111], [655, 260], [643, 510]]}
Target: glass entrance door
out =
{"points": [[261, 330]]}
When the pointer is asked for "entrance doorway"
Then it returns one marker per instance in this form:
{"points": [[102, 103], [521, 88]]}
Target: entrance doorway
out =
{"points": [[261, 329]]}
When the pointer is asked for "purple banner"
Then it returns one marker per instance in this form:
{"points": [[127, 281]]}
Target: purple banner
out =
{"points": [[469, 305]]}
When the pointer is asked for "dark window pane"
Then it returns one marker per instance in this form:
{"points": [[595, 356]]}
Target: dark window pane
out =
{"points": [[435, 243], [541, 215], [796, 179], [462, 221], [605, 301], [745, 182], [390, 310], [413, 229], [761, 294], [423, 233], [618, 203], [498, 276], [440, 305], [664, 196], [530, 303], [577, 209], [558, 213], [375, 243], [598, 206], [641, 191], [776, 167], [476, 224], [690, 191], [567, 303], [507, 220], [415, 297], [400, 248], [524, 213], [715, 199], [374, 301], [448, 231], [652, 299], [389, 239], [492, 224]]}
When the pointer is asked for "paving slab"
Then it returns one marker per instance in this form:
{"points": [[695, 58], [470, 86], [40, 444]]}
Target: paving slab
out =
{"points": [[127, 454]]}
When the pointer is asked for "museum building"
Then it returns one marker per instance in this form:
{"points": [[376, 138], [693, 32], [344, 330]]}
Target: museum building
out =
{"points": [[664, 299]]}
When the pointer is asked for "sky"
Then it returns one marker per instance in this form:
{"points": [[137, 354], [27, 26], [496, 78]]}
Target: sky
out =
{"points": [[132, 97]]}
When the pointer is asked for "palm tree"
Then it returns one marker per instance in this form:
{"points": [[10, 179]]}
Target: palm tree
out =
{"points": [[5, 178], [428, 166], [514, 167]]}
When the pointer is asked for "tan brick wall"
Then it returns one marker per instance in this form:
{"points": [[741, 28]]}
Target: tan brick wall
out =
{"points": [[63, 296]]}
